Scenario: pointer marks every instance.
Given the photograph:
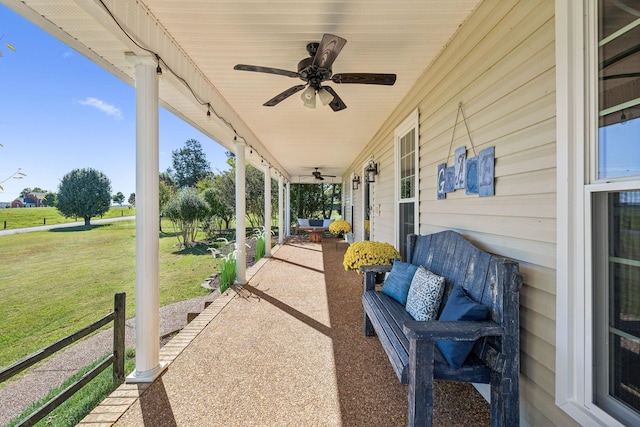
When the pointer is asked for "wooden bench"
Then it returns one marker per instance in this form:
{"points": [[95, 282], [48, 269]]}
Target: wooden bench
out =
{"points": [[410, 345]]}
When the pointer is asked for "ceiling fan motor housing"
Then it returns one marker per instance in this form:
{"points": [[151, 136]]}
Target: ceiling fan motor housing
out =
{"points": [[313, 74]]}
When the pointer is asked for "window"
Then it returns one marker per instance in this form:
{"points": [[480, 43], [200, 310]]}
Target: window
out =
{"points": [[406, 136], [598, 264], [616, 214], [617, 281]]}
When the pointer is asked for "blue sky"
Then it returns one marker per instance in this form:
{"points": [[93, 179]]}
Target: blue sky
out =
{"points": [[59, 111]]}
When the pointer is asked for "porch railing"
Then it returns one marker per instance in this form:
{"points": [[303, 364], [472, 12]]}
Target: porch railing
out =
{"points": [[117, 316]]}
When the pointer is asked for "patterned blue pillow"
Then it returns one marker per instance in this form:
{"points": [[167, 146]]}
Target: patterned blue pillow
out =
{"points": [[397, 283], [425, 295]]}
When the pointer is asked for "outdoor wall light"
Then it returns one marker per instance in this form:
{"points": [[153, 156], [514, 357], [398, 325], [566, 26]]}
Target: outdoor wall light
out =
{"points": [[371, 171], [355, 182]]}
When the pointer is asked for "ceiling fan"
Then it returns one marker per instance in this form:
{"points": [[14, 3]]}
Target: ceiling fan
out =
{"points": [[319, 176], [315, 70]]}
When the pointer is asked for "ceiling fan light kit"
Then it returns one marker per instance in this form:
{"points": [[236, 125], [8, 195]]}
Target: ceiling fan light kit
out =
{"points": [[309, 97], [315, 70]]}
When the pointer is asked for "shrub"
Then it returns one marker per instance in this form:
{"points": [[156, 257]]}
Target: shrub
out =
{"points": [[369, 253], [339, 227], [186, 210]]}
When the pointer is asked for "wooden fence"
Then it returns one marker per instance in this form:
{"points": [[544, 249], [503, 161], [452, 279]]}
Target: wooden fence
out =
{"points": [[116, 359]]}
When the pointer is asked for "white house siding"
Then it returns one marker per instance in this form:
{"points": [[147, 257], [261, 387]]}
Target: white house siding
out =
{"points": [[501, 66]]}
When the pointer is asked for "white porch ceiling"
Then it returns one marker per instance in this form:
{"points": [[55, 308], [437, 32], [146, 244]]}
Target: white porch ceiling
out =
{"points": [[202, 40]]}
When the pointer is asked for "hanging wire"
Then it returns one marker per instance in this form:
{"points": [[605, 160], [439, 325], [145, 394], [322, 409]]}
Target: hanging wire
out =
{"points": [[464, 119], [159, 59]]}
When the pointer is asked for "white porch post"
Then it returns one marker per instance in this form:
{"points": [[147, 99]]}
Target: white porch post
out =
{"points": [[148, 366], [241, 213], [280, 218], [267, 211], [287, 210]]}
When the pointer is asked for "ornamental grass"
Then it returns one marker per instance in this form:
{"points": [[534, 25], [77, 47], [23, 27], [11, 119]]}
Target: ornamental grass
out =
{"points": [[369, 253]]}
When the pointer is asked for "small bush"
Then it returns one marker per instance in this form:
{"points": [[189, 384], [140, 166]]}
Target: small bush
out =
{"points": [[227, 273]]}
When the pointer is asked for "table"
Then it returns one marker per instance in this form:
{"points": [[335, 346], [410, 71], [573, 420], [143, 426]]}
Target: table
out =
{"points": [[315, 236]]}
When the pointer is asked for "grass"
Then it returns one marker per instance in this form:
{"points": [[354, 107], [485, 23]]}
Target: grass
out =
{"points": [[32, 217], [72, 411], [54, 282]]}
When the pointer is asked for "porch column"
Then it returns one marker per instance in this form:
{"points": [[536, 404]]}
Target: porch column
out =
{"points": [[280, 218], [241, 213], [267, 211], [287, 210], [148, 366]]}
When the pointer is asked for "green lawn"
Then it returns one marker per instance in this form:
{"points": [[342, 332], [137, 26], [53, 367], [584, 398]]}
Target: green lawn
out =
{"points": [[54, 282], [32, 217]]}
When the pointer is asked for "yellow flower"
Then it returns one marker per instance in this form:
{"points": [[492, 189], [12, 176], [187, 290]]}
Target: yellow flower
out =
{"points": [[367, 252], [339, 226]]}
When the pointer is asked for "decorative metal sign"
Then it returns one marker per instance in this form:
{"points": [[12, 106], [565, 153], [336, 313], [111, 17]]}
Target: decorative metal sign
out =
{"points": [[475, 174]]}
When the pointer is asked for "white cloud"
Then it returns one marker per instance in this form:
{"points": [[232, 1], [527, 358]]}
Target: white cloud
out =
{"points": [[102, 106]]}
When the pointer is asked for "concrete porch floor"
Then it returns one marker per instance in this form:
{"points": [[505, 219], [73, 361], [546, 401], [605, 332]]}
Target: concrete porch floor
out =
{"points": [[285, 350]]}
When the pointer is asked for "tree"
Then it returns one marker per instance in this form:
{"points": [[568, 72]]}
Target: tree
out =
{"points": [[166, 192], [190, 164], [224, 188], [132, 199], [118, 198], [50, 199], [307, 201], [84, 193], [186, 211]]}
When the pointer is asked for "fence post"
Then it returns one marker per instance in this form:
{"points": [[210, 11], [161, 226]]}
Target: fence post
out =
{"points": [[119, 304]]}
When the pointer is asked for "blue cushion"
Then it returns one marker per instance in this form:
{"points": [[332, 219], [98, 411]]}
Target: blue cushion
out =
{"points": [[316, 222], [425, 295], [397, 283], [460, 307]]}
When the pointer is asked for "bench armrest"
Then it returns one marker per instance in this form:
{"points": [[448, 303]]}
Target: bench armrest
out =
{"points": [[370, 274], [454, 331]]}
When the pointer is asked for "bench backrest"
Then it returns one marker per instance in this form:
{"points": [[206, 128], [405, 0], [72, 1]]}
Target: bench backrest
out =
{"points": [[488, 279]]}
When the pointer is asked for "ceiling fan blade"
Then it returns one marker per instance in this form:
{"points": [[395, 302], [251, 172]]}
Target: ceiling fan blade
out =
{"points": [[268, 70], [337, 104], [283, 95], [365, 78], [328, 50]]}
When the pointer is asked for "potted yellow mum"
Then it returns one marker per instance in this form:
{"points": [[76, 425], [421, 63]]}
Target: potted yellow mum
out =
{"points": [[339, 227], [367, 252]]}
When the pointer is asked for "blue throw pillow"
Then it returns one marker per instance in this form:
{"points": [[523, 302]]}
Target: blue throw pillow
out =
{"points": [[316, 222], [460, 307], [397, 283]]}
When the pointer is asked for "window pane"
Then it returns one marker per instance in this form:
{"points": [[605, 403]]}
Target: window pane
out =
{"points": [[407, 166], [407, 221], [619, 91], [623, 329]]}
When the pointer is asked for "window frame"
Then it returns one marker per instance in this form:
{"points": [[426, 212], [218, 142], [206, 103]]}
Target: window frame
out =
{"points": [[576, 131], [412, 122]]}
